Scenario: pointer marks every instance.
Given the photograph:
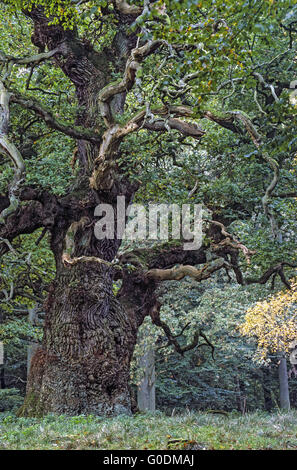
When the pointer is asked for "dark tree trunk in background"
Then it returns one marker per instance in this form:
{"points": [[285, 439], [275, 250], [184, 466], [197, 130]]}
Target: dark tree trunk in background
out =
{"points": [[2, 377], [241, 396], [266, 386], [284, 397]]}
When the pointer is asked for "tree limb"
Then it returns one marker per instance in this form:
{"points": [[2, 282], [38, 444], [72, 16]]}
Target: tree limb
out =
{"points": [[102, 175], [26, 219], [177, 273], [277, 269], [172, 339], [232, 241], [72, 131], [32, 60], [138, 54], [12, 152], [225, 121]]}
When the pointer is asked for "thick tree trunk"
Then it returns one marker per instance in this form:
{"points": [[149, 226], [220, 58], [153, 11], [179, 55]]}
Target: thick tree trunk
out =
{"points": [[84, 362]]}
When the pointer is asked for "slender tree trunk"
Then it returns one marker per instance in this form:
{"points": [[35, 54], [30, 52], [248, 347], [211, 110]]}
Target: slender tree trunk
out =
{"points": [[283, 384], [146, 395], [2, 377], [266, 386]]}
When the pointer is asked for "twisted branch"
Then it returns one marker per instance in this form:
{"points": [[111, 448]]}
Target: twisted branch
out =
{"points": [[102, 176], [232, 241], [172, 339], [257, 140], [137, 55], [177, 273]]}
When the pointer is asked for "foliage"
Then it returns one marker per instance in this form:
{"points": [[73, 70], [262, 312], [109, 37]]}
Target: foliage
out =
{"points": [[230, 380], [10, 399], [273, 322], [26, 272]]}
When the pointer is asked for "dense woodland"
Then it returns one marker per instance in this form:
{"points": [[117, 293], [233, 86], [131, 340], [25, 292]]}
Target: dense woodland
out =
{"points": [[165, 101]]}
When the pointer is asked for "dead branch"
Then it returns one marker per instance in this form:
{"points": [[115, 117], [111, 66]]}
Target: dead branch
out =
{"points": [[232, 241], [177, 273]]}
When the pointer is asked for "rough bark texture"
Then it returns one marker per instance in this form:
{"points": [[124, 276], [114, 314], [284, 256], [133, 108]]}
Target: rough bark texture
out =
{"points": [[83, 364]]}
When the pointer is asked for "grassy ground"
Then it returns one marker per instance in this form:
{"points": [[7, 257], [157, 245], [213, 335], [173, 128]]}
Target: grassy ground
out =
{"points": [[151, 431]]}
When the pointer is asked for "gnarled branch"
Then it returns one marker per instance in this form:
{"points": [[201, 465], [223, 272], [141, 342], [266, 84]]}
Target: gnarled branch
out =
{"points": [[31, 60], [138, 54], [232, 241], [172, 339], [102, 175], [72, 131], [177, 273]]}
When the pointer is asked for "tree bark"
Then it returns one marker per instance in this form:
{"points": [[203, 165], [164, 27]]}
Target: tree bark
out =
{"points": [[83, 364]]}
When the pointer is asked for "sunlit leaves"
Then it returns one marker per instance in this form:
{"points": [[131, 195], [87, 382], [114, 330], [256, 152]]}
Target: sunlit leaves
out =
{"points": [[273, 322], [60, 11]]}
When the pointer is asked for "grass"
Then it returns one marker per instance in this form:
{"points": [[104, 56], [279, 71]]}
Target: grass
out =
{"points": [[151, 431]]}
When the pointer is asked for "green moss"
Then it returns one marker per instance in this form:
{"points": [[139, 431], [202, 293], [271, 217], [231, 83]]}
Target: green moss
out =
{"points": [[32, 407]]}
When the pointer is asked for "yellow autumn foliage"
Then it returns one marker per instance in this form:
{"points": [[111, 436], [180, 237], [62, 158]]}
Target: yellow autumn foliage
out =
{"points": [[273, 322]]}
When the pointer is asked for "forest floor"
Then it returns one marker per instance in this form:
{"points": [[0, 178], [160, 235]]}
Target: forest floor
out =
{"points": [[152, 431]]}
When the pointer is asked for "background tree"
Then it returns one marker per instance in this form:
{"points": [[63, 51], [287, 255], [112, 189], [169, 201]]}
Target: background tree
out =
{"points": [[273, 323]]}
